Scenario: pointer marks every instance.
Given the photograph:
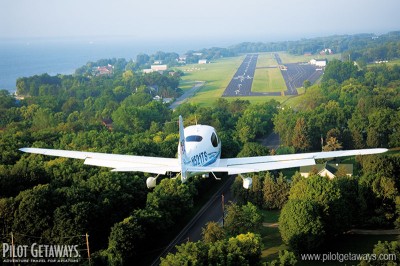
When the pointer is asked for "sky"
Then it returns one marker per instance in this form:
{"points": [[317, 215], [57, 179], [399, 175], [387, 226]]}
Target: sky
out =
{"points": [[223, 20]]}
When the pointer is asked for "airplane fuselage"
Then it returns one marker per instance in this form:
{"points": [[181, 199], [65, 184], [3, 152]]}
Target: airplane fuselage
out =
{"points": [[202, 147]]}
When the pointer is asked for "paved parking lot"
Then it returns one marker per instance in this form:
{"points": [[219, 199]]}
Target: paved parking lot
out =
{"points": [[295, 74]]}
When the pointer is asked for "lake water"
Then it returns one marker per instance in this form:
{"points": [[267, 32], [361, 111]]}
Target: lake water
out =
{"points": [[24, 58]]}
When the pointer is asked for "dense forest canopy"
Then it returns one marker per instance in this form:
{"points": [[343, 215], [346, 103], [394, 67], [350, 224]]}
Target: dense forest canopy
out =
{"points": [[56, 198]]}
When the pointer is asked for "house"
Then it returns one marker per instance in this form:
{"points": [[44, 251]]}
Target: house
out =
{"points": [[329, 170], [319, 62], [182, 59], [202, 61], [103, 70], [326, 51], [164, 100]]}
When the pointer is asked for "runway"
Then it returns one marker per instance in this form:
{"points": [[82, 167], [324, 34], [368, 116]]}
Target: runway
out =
{"points": [[240, 84], [294, 75]]}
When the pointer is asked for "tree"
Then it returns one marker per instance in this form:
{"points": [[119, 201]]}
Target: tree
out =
{"points": [[212, 232], [286, 258], [124, 238], [276, 192], [190, 253], [339, 71], [379, 127], [243, 249], [384, 253], [256, 121], [284, 122], [35, 210], [253, 149], [296, 229], [242, 219], [332, 144], [300, 136], [171, 197], [306, 84]]}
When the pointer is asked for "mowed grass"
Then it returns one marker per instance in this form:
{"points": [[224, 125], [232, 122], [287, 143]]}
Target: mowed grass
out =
{"points": [[216, 75], [271, 238], [289, 58], [268, 80], [266, 60]]}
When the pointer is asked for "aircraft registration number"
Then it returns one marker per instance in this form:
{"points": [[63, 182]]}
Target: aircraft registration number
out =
{"points": [[199, 159]]}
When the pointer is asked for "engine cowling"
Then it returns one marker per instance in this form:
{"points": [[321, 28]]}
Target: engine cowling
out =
{"points": [[151, 182], [247, 182]]}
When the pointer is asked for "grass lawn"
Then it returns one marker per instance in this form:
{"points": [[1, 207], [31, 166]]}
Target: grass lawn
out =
{"points": [[271, 238]]}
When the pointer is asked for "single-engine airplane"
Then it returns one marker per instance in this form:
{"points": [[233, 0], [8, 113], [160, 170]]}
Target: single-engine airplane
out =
{"points": [[199, 153]]}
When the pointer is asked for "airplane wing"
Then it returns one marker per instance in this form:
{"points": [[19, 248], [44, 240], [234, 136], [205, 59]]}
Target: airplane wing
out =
{"points": [[119, 163], [275, 162]]}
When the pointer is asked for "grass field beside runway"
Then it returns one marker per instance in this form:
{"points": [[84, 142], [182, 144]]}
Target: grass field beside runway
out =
{"points": [[289, 58], [266, 60], [216, 75], [267, 79]]}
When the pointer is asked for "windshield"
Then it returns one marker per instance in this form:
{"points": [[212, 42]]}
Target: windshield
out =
{"points": [[194, 138]]}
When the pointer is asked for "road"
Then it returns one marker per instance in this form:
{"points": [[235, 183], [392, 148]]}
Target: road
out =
{"points": [[211, 211], [187, 94]]}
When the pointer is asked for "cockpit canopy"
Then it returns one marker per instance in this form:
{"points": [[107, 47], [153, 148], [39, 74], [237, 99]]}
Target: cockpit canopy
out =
{"points": [[200, 133], [197, 138]]}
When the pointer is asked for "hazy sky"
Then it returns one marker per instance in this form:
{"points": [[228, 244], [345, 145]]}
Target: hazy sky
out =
{"points": [[244, 20]]}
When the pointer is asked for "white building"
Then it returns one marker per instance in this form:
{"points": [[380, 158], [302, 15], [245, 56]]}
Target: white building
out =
{"points": [[318, 62], [329, 170], [159, 67], [202, 61]]}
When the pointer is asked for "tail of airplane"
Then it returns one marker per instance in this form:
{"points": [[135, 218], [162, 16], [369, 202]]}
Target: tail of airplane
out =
{"points": [[182, 150]]}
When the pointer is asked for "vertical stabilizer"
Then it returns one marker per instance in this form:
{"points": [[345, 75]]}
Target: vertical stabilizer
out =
{"points": [[182, 149]]}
